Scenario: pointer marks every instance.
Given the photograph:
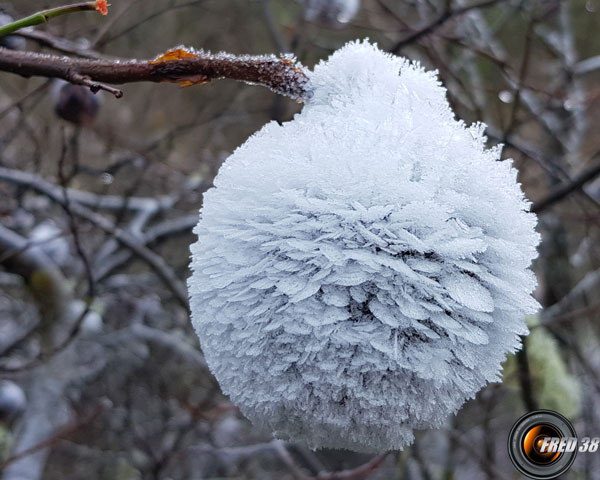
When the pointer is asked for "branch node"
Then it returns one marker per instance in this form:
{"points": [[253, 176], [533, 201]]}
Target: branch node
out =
{"points": [[94, 86]]}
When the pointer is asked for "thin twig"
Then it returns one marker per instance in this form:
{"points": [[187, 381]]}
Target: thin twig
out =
{"points": [[566, 188], [45, 15], [357, 473], [447, 15], [285, 456], [60, 44], [59, 435], [525, 380], [467, 445], [95, 87], [17, 103]]}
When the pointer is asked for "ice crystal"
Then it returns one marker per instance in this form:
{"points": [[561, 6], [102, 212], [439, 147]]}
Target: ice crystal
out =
{"points": [[363, 269]]}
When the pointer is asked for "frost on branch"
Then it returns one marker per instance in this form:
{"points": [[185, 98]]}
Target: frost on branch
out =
{"points": [[362, 270]]}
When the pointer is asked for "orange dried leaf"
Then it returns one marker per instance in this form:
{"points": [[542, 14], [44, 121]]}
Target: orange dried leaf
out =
{"points": [[102, 6], [180, 54], [176, 54], [195, 80]]}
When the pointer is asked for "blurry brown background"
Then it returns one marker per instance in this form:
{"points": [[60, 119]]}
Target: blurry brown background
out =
{"points": [[116, 386]]}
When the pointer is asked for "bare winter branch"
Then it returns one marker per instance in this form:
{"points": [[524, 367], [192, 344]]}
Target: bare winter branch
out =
{"points": [[282, 75], [157, 263], [565, 189]]}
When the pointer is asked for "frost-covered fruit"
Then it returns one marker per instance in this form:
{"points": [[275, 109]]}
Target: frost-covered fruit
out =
{"points": [[363, 269], [12, 400]]}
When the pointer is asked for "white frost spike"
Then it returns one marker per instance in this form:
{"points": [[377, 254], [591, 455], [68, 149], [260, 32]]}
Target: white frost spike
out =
{"points": [[363, 269]]}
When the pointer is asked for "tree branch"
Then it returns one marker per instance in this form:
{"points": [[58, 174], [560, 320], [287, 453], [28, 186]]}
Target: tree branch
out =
{"points": [[586, 66], [59, 44], [154, 261], [357, 473], [566, 188], [45, 280], [63, 432], [446, 15], [282, 75], [45, 15]]}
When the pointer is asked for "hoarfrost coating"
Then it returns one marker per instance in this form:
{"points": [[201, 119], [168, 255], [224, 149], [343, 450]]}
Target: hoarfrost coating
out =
{"points": [[363, 269]]}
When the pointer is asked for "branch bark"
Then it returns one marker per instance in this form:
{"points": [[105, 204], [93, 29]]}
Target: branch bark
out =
{"points": [[282, 75]]}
